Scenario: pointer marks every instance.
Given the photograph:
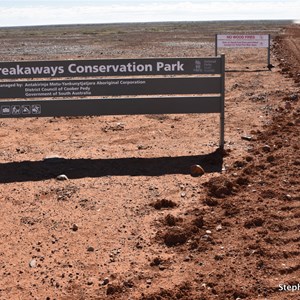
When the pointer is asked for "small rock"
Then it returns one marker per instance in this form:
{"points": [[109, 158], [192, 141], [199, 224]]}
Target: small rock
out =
{"points": [[75, 227], [156, 262], [246, 137], [142, 147], [33, 263], [90, 249], [219, 227], [105, 281], [266, 148], [139, 245], [62, 177], [288, 197], [218, 257], [128, 284], [197, 170], [113, 289], [294, 97], [149, 281], [90, 282], [208, 232]]}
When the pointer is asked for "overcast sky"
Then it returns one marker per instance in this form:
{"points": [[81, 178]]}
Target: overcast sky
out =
{"points": [[46, 12]]}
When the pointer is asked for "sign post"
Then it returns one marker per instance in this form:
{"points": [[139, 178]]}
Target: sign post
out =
{"points": [[222, 104], [269, 51]]}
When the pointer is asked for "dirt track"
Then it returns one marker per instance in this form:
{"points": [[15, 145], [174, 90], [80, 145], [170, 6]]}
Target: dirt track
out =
{"points": [[131, 223]]}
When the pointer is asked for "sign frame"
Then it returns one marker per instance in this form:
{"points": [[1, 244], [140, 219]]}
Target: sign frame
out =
{"points": [[176, 86], [248, 40]]}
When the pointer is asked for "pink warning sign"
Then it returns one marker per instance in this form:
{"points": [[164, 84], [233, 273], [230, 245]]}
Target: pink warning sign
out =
{"points": [[242, 41]]}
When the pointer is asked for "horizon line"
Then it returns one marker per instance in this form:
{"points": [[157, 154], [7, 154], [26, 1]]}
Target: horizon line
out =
{"points": [[148, 22]]}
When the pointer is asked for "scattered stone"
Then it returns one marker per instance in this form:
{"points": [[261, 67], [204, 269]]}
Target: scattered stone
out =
{"points": [[187, 258], [115, 251], [239, 164], [90, 282], [75, 227], [197, 170], [62, 177], [288, 197], [294, 97], [246, 137], [156, 262], [139, 245], [149, 281], [142, 147], [129, 284], [219, 227], [266, 148], [33, 263], [218, 257], [115, 127], [90, 249], [105, 281], [20, 150], [236, 85], [208, 231]]}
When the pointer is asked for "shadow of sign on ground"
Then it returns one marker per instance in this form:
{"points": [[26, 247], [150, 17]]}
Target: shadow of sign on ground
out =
{"points": [[81, 168]]}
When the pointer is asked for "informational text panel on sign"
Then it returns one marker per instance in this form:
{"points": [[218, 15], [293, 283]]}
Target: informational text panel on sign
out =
{"points": [[242, 41]]}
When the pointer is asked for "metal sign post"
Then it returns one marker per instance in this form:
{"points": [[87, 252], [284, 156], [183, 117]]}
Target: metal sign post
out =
{"points": [[222, 104], [269, 51]]}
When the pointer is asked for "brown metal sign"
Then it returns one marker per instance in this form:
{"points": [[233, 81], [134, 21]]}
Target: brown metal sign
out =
{"points": [[127, 86]]}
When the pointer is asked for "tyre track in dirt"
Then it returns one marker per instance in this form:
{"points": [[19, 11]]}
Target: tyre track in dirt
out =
{"points": [[256, 207]]}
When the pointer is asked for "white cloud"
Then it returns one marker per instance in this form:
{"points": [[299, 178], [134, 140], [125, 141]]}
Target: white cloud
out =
{"points": [[145, 11]]}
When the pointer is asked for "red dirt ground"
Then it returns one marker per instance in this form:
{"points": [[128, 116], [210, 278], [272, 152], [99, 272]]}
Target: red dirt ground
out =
{"points": [[131, 222]]}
